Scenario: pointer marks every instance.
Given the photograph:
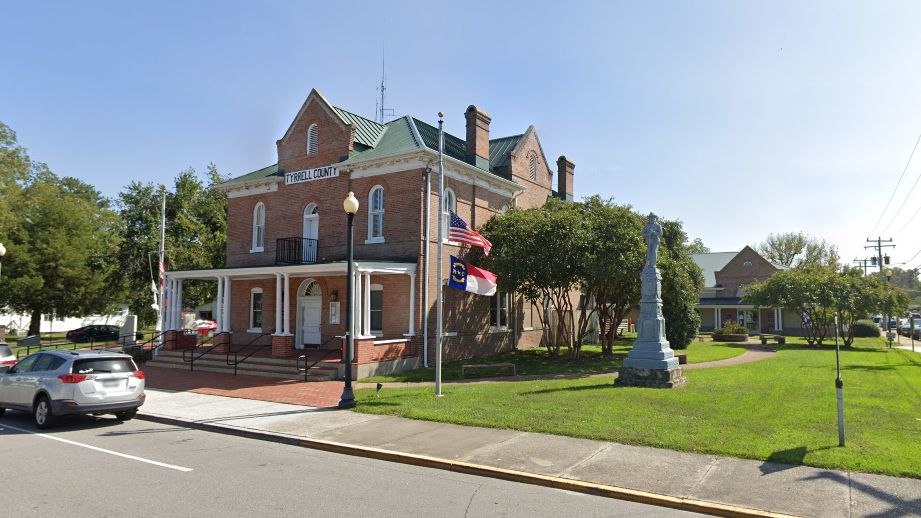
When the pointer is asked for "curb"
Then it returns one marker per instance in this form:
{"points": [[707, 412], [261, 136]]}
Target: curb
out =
{"points": [[578, 486]]}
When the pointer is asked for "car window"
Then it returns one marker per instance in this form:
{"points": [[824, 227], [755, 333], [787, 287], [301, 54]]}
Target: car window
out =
{"points": [[103, 366], [5, 350], [25, 364], [42, 363]]}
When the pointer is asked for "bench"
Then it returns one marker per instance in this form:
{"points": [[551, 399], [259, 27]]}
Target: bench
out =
{"points": [[777, 338], [509, 367]]}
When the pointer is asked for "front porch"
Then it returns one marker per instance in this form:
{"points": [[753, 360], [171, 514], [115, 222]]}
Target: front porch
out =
{"points": [[715, 313], [310, 319]]}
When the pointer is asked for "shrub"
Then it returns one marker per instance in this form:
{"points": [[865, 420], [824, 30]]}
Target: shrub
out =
{"points": [[730, 328], [866, 328]]}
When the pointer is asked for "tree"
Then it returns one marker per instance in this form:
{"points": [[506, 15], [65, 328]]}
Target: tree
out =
{"points": [[196, 236], [609, 272], [537, 253], [817, 294], [682, 282], [796, 249], [60, 250], [698, 247], [15, 169]]}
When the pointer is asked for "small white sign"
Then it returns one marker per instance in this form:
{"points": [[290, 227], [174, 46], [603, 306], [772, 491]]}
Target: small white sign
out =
{"points": [[309, 175]]}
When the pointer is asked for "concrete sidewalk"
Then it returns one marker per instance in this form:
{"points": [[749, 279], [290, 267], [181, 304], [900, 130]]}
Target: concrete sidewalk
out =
{"points": [[779, 488]]}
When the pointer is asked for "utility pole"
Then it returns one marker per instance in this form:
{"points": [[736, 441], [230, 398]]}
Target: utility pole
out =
{"points": [[863, 263], [881, 243]]}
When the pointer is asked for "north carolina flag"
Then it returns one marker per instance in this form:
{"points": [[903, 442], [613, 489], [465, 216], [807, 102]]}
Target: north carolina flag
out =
{"points": [[470, 278]]}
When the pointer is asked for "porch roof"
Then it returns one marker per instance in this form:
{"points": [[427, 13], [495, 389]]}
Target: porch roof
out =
{"points": [[393, 267], [721, 301]]}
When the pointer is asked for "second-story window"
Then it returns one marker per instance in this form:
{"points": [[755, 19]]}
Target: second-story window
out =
{"points": [[258, 228], [450, 205], [376, 215], [313, 139]]}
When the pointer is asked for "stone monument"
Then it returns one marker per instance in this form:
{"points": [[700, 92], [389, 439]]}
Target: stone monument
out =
{"points": [[651, 362]]}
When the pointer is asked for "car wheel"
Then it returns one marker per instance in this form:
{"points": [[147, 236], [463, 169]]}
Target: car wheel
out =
{"points": [[42, 414], [126, 415]]}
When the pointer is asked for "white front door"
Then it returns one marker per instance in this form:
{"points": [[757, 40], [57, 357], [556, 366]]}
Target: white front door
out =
{"points": [[311, 230], [309, 310]]}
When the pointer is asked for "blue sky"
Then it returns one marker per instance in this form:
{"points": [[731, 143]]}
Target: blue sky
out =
{"points": [[739, 118]]}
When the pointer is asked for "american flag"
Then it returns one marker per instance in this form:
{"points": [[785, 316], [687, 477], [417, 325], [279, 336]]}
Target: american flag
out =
{"points": [[460, 232]]}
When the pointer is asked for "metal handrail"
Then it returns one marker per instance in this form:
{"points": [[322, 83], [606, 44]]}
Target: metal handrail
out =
{"points": [[236, 354], [324, 356], [191, 358]]}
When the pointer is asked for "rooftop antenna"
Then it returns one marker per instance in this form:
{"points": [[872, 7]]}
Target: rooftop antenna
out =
{"points": [[380, 112]]}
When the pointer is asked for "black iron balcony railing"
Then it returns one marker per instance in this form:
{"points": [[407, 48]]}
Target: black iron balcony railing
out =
{"points": [[295, 250]]}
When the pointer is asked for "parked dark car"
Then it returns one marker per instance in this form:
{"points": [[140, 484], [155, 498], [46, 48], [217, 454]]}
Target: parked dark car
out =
{"points": [[94, 333]]}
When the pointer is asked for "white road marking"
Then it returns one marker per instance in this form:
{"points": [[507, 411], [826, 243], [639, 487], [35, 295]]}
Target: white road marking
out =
{"points": [[103, 450]]}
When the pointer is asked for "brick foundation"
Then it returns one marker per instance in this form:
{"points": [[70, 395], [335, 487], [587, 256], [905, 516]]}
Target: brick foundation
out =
{"points": [[366, 351], [169, 340], [221, 342], [282, 346]]}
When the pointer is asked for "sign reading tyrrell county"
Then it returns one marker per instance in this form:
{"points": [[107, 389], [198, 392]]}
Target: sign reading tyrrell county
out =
{"points": [[309, 175]]}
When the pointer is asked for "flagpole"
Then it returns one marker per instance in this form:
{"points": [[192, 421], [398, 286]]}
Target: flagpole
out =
{"points": [[160, 266], [441, 230]]}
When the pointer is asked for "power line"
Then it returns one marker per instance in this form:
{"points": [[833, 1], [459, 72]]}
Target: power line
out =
{"points": [[891, 196]]}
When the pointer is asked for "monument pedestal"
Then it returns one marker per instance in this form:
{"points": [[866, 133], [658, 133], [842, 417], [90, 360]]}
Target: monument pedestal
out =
{"points": [[651, 378]]}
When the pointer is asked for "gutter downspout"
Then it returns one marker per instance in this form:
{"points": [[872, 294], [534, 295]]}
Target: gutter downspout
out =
{"points": [[425, 269]]}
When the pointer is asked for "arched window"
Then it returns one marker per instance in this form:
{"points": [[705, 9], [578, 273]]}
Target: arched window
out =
{"points": [[376, 215], [312, 140], [532, 159], [258, 228], [450, 205]]}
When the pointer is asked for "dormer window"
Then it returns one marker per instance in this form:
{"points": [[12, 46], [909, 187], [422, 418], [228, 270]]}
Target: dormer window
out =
{"points": [[532, 158], [312, 140]]}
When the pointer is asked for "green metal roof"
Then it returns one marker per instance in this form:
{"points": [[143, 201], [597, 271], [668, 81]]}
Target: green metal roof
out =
{"points": [[265, 172], [367, 131], [500, 150], [396, 138], [454, 147]]}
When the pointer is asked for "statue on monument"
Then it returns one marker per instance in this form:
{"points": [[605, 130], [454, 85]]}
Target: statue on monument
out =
{"points": [[652, 234]]}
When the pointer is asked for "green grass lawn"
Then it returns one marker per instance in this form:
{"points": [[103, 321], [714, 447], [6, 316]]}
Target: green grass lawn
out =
{"points": [[781, 409], [536, 361]]}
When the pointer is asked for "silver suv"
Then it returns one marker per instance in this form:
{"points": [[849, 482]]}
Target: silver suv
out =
{"points": [[53, 383]]}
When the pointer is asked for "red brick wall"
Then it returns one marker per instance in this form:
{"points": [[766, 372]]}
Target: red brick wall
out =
{"points": [[736, 274]]}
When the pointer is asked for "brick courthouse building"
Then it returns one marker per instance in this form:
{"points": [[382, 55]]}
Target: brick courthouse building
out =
{"points": [[284, 284]]}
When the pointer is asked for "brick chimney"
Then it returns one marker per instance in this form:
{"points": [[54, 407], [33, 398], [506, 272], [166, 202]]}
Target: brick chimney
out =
{"points": [[564, 170], [477, 137]]}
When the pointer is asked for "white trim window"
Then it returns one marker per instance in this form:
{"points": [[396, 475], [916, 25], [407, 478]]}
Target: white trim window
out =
{"points": [[498, 312], [258, 228], [313, 140], [450, 205], [377, 310], [255, 310], [376, 215], [532, 165]]}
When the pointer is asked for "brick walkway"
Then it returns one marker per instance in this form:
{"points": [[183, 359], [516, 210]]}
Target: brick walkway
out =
{"points": [[315, 394]]}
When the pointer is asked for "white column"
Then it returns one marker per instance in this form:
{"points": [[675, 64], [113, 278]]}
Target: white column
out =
{"points": [[719, 318], [218, 312], [780, 319], [171, 310], [356, 303], [278, 304], [412, 305], [286, 304], [179, 304], [167, 308], [227, 300], [366, 311]]}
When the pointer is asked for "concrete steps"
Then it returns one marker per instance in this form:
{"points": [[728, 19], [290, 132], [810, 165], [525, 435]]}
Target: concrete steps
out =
{"points": [[278, 368]]}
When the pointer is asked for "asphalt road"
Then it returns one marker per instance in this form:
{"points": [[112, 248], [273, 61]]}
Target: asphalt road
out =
{"points": [[99, 467]]}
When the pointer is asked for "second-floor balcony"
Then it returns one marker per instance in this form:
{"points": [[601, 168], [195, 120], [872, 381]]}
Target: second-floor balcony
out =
{"points": [[295, 250]]}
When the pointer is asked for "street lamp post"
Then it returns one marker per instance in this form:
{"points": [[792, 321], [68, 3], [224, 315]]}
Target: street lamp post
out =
{"points": [[347, 399]]}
